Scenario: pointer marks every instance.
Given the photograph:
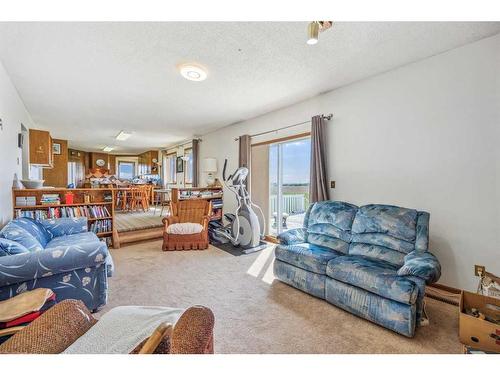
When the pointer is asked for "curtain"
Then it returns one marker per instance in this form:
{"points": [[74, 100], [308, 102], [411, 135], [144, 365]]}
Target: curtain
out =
{"points": [[244, 155], [195, 155], [318, 188]]}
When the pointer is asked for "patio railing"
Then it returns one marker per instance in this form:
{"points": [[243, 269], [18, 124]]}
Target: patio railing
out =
{"points": [[292, 203]]}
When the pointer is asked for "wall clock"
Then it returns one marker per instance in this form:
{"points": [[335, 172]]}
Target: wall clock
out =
{"points": [[100, 162]]}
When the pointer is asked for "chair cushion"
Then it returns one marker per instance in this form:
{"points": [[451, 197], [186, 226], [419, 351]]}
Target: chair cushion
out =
{"points": [[73, 239], [307, 256], [9, 247], [375, 276], [184, 228], [35, 228], [15, 233]]}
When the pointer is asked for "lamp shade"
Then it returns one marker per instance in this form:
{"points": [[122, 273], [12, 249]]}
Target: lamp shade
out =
{"points": [[209, 165]]}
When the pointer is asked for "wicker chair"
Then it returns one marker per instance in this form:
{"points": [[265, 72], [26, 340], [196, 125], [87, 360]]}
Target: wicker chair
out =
{"points": [[63, 324], [188, 211]]}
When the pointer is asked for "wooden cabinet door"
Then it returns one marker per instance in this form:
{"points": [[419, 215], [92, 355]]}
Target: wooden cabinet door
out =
{"points": [[40, 145]]}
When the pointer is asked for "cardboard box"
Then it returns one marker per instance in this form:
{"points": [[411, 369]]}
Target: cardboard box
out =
{"points": [[475, 332]]}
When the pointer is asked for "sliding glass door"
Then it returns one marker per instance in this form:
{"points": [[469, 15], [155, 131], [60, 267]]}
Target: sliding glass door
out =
{"points": [[289, 164]]}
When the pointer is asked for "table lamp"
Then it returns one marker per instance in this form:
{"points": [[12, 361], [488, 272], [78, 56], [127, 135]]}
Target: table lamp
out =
{"points": [[210, 167]]}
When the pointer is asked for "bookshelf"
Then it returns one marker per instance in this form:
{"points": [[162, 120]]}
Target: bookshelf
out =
{"points": [[212, 194], [95, 204]]}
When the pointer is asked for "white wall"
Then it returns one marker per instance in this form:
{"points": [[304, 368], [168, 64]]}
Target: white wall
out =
{"points": [[424, 136], [13, 114]]}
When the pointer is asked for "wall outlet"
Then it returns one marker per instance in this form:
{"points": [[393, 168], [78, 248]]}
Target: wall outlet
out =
{"points": [[1, 124], [332, 184], [479, 270]]}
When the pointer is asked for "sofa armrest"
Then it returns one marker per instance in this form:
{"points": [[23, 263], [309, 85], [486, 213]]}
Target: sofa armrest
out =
{"points": [[61, 259], [65, 225], [204, 222], [421, 264], [292, 236], [169, 220], [53, 332]]}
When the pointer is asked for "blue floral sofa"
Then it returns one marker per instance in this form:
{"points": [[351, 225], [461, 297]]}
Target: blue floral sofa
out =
{"points": [[59, 254], [372, 261]]}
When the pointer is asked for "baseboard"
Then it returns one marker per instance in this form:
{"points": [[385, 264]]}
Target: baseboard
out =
{"points": [[443, 293]]}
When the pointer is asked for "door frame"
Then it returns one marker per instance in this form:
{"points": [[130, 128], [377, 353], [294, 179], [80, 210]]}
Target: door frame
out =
{"points": [[270, 237]]}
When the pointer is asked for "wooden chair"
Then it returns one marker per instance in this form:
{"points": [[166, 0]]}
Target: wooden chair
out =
{"points": [[188, 211], [139, 196]]}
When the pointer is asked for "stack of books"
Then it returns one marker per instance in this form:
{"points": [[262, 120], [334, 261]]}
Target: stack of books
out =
{"points": [[50, 199], [25, 201], [217, 203]]}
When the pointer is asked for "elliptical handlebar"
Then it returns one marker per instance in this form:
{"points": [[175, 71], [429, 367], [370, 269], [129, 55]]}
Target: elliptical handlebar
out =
{"points": [[224, 170]]}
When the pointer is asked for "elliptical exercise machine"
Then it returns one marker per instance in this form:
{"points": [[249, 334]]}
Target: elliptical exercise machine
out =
{"points": [[245, 228]]}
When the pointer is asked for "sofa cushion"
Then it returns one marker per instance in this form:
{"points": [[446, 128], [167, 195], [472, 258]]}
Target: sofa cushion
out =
{"points": [[73, 239], [9, 247], [398, 222], [329, 224], [15, 233], [374, 276], [36, 229], [384, 232], [307, 256], [65, 225]]}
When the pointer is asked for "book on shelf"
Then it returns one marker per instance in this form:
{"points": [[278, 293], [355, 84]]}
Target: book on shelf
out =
{"points": [[91, 212], [25, 201], [101, 226], [49, 199], [217, 203]]}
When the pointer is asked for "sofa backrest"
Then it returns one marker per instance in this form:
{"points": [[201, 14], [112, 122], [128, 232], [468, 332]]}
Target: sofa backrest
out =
{"points": [[329, 223], [388, 233], [21, 232]]}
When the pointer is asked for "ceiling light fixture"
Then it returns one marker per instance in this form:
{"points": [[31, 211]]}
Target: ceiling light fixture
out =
{"points": [[108, 149], [314, 28], [123, 136], [193, 72]]}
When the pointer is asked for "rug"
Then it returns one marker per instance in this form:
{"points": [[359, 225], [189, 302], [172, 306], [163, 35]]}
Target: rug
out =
{"points": [[254, 313], [237, 251]]}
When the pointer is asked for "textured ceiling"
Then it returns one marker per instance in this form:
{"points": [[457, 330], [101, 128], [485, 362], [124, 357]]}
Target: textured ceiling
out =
{"points": [[87, 81]]}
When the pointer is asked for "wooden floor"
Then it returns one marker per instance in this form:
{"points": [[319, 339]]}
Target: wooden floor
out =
{"points": [[138, 226]]}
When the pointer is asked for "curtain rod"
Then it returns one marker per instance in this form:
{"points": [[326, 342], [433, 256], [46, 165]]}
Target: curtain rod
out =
{"points": [[180, 144], [326, 117]]}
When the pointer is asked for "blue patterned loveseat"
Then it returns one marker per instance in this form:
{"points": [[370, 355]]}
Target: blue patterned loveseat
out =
{"points": [[372, 261], [59, 254]]}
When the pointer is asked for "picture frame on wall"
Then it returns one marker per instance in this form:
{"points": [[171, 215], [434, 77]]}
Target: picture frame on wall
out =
{"points": [[56, 148], [179, 164]]}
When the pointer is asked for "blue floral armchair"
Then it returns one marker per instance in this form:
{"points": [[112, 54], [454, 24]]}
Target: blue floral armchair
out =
{"points": [[372, 261], [59, 254]]}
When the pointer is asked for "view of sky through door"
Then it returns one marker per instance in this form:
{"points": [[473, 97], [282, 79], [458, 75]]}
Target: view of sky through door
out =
{"points": [[289, 166]]}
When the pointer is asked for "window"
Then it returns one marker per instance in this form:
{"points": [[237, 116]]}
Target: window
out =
{"points": [[188, 166], [72, 179], [126, 170], [169, 173]]}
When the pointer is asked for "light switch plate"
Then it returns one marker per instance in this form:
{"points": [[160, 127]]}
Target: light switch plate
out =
{"points": [[332, 184]]}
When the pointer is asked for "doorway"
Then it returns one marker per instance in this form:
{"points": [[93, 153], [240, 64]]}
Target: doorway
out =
{"points": [[289, 178]]}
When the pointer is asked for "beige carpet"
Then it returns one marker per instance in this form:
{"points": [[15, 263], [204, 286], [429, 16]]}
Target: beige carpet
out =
{"points": [[256, 314]]}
